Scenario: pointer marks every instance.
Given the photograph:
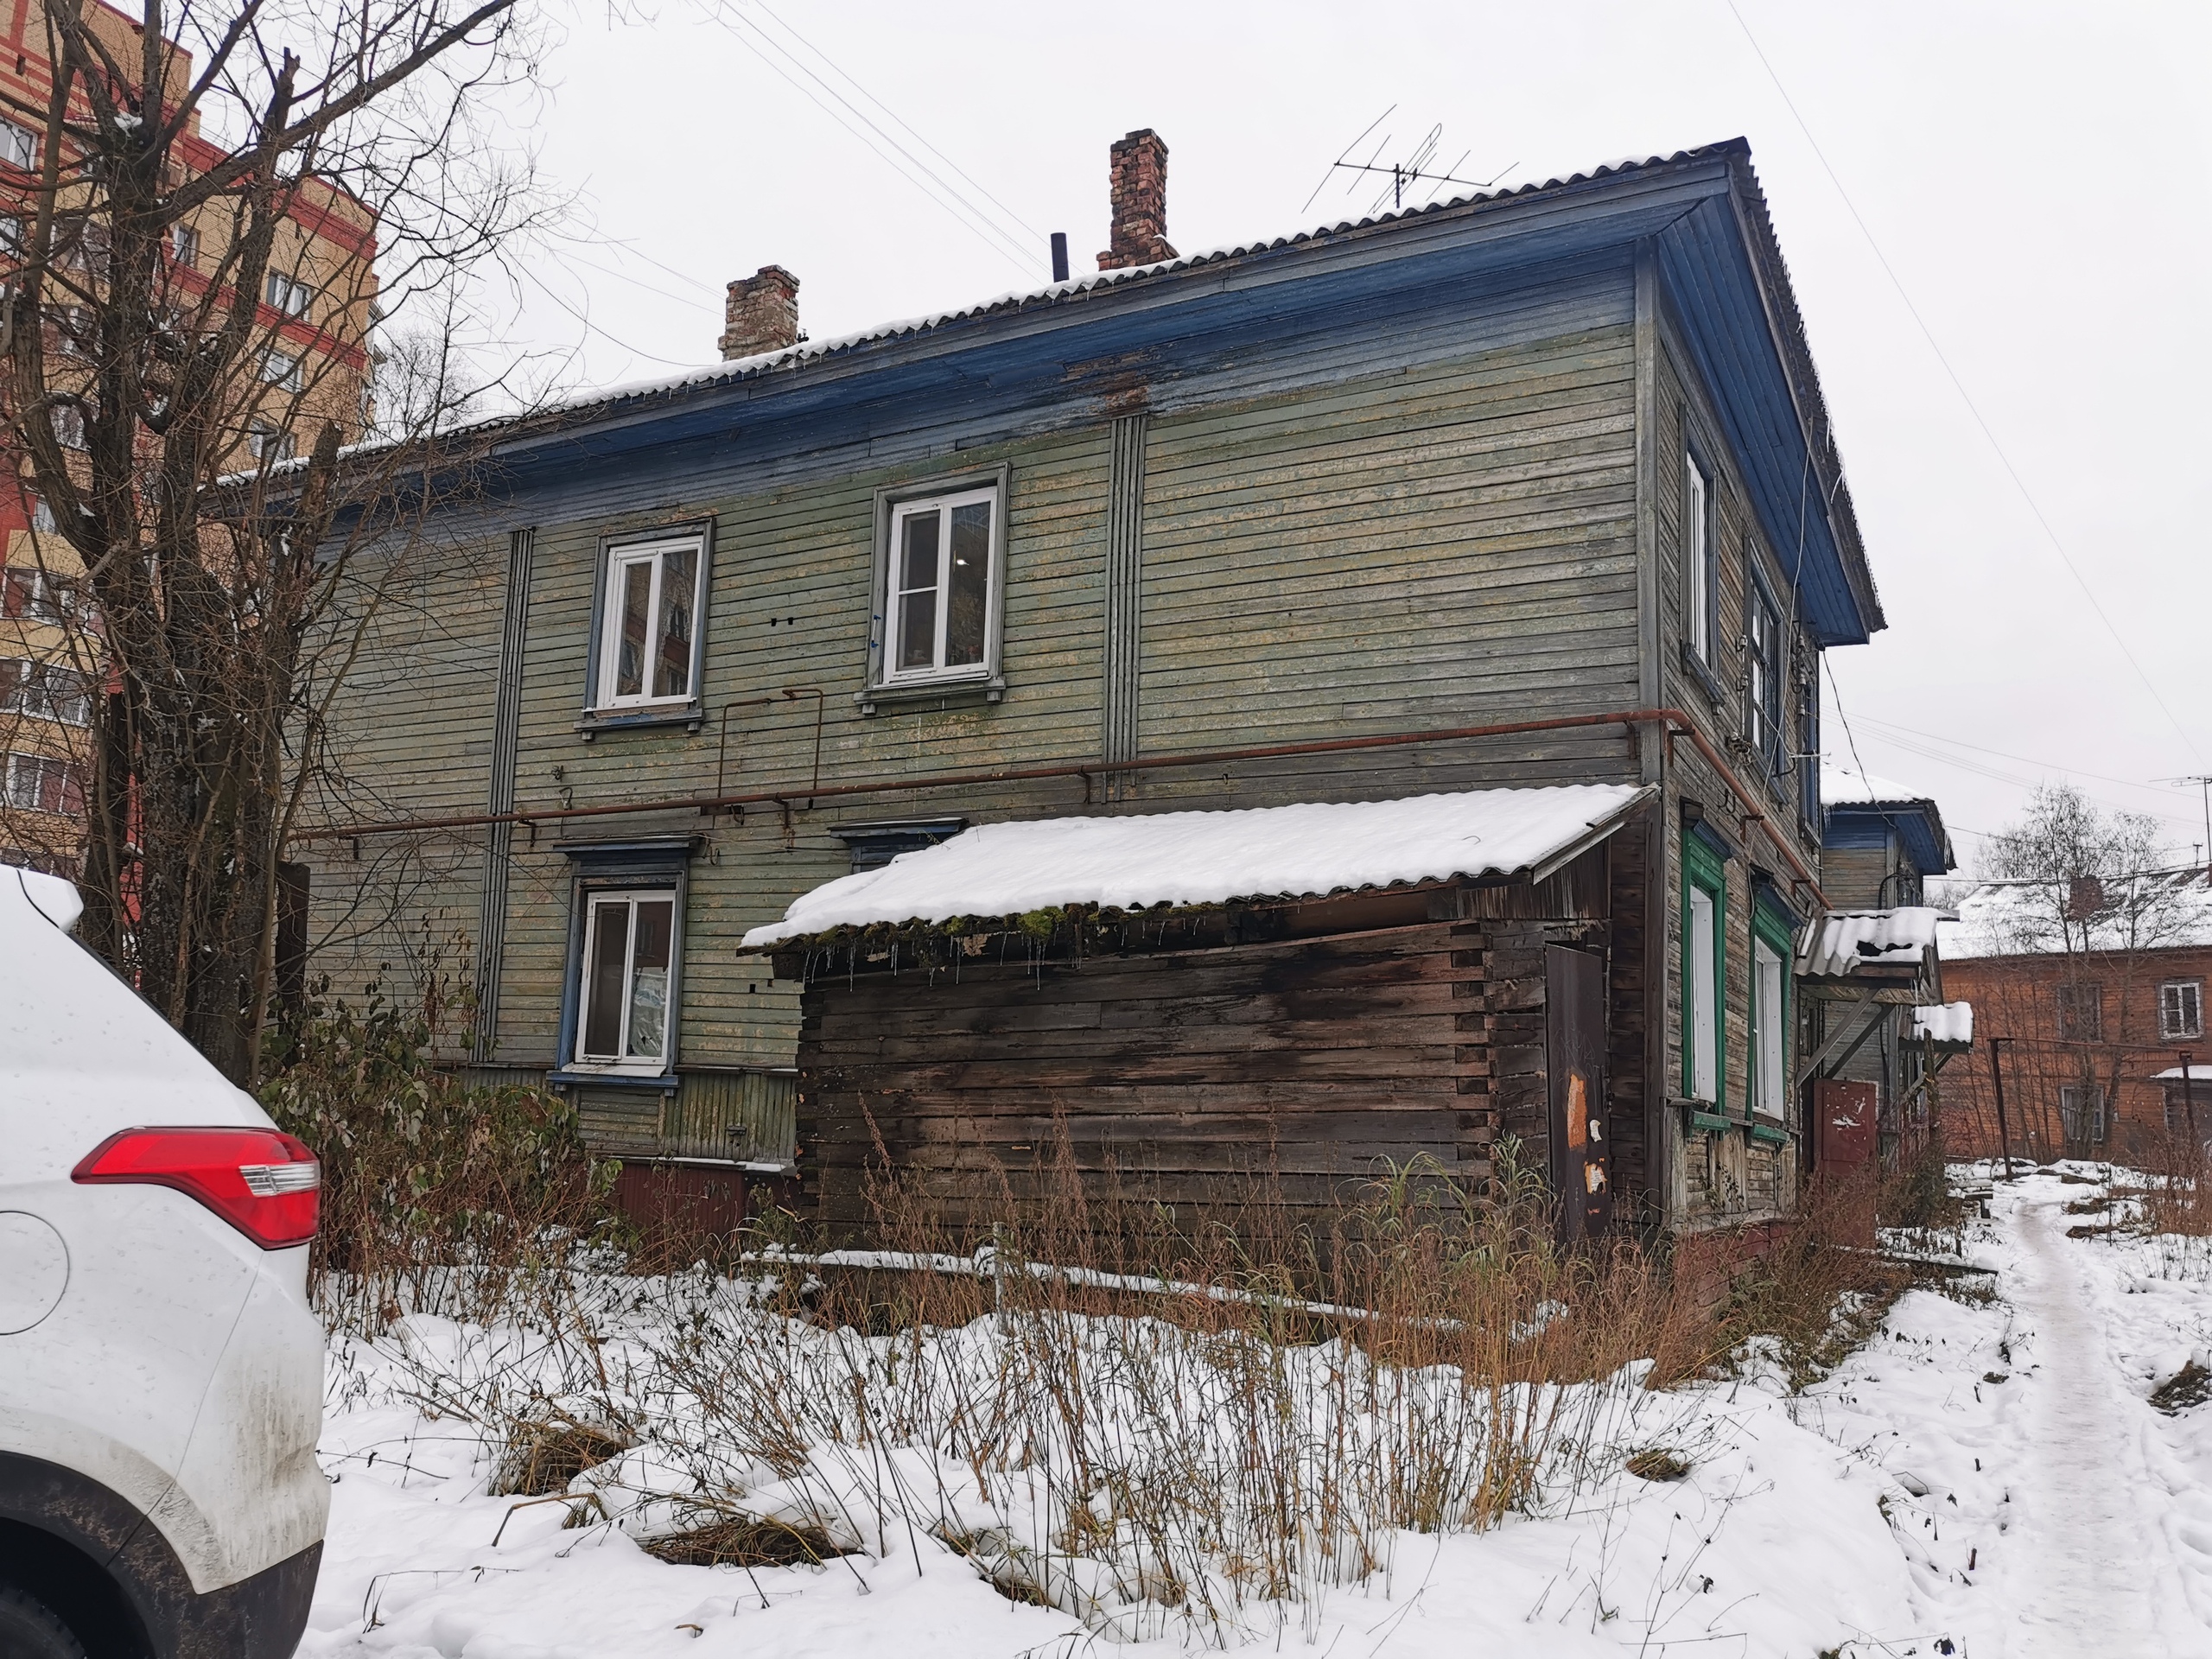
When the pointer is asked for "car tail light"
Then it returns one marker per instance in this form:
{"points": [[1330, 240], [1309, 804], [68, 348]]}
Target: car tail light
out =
{"points": [[263, 1182]]}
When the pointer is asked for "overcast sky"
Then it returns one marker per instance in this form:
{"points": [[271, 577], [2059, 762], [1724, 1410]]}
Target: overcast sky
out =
{"points": [[2035, 176]]}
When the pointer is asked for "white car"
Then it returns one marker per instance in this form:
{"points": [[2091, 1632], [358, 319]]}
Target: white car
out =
{"points": [[161, 1371]]}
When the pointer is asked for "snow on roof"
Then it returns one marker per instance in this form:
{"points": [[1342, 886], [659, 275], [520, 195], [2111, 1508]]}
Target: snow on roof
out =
{"points": [[1946, 1022], [1848, 786], [1857, 938], [1199, 858], [2197, 1074], [2157, 910]]}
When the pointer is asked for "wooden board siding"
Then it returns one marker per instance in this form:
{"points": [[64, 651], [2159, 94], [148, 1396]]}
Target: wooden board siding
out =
{"points": [[1717, 1179], [1305, 1067], [410, 733], [1455, 470]]}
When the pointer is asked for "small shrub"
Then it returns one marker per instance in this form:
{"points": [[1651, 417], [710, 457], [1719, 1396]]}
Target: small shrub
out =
{"points": [[439, 1195], [542, 1457], [1658, 1464], [2190, 1386], [744, 1541]]}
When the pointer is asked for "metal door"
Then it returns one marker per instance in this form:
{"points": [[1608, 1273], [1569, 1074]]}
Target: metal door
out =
{"points": [[1574, 1003]]}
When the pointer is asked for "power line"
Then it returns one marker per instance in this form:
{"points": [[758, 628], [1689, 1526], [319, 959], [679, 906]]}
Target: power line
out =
{"points": [[1959, 385], [898, 158], [920, 138]]}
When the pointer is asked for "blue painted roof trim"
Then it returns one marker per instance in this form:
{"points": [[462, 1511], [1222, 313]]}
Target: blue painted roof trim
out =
{"points": [[1919, 828], [1080, 355]]}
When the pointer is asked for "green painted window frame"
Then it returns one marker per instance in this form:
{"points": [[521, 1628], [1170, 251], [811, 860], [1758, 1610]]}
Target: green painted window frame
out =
{"points": [[1774, 930], [1702, 870]]}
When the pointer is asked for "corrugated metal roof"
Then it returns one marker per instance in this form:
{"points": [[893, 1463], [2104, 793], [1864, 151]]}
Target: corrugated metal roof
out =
{"points": [[1851, 939], [1136, 861]]}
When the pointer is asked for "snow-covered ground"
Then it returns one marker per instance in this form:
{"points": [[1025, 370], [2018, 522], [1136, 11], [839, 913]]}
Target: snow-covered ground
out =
{"points": [[1982, 1479]]}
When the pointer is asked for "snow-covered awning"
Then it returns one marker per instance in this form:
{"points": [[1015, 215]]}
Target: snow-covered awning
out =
{"points": [[2197, 1074], [1851, 939], [1949, 1025], [1136, 861]]}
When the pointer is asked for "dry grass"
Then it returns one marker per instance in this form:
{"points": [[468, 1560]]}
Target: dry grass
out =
{"points": [[1159, 1428], [743, 1540], [542, 1457]]}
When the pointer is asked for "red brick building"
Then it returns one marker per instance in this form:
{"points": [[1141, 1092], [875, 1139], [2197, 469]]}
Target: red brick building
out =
{"points": [[2091, 994]]}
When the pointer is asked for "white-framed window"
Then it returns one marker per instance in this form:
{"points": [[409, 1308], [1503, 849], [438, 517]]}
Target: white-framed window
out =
{"points": [[1701, 995], [288, 294], [649, 613], [941, 584], [18, 145], [2181, 1008], [1701, 586], [282, 370], [12, 233], [267, 442], [623, 1005], [1769, 1088], [43, 783], [42, 512], [38, 595], [2082, 1111], [45, 691], [184, 247]]}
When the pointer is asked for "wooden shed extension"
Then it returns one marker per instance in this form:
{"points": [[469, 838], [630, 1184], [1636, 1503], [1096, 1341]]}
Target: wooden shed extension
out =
{"points": [[1181, 1054]]}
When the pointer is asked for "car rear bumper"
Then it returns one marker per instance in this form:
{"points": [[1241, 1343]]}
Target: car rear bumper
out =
{"points": [[97, 1544], [259, 1618]]}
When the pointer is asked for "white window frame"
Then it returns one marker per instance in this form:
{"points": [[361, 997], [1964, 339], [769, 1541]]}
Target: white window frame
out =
{"points": [[622, 1062], [894, 600], [1701, 573], [286, 295], [18, 145], [29, 689], [1700, 979], [618, 558], [2172, 994], [48, 598], [282, 370], [1770, 1003], [893, 508], [36, 766], [184, 247], [272, 443]]}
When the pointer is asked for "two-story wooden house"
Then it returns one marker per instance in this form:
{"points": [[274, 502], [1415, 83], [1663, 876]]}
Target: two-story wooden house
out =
{"points": [[1529, 489]]}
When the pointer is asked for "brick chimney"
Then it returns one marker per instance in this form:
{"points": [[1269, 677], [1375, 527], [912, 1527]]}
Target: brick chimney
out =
{"points": [[1137, 177], [761, 313]]}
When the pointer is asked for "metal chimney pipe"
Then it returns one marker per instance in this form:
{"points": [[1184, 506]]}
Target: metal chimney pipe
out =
{"points": [[1059, 255]]}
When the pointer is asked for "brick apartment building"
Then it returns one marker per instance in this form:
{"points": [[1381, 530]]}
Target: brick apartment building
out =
{"points": [[2093, 996], [313, 364]]}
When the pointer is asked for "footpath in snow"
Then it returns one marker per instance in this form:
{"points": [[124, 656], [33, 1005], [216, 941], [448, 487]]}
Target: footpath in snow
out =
{"points": [[1986, 1478]]}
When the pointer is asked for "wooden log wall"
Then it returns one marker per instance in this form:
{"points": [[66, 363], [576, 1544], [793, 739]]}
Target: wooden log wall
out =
{"points": [[1297, 1068]]}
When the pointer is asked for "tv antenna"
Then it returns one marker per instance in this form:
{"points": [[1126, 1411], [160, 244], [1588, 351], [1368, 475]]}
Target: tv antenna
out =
{"points": [[2203, 782], [1405, 175]]}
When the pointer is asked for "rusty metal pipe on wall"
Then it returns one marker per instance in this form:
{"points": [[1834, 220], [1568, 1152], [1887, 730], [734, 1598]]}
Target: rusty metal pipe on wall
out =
{"points": [[1676, 722]]}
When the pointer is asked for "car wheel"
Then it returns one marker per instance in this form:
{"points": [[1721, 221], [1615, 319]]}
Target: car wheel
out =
{"points": [[29, 1629]]}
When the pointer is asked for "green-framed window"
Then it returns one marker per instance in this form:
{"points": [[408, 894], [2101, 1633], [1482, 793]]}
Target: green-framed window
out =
{"points": [[1772, 948], [1705, 1000]]}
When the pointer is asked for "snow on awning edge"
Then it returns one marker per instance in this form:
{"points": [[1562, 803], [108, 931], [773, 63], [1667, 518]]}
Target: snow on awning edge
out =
{"points": [[1589, 834]]}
